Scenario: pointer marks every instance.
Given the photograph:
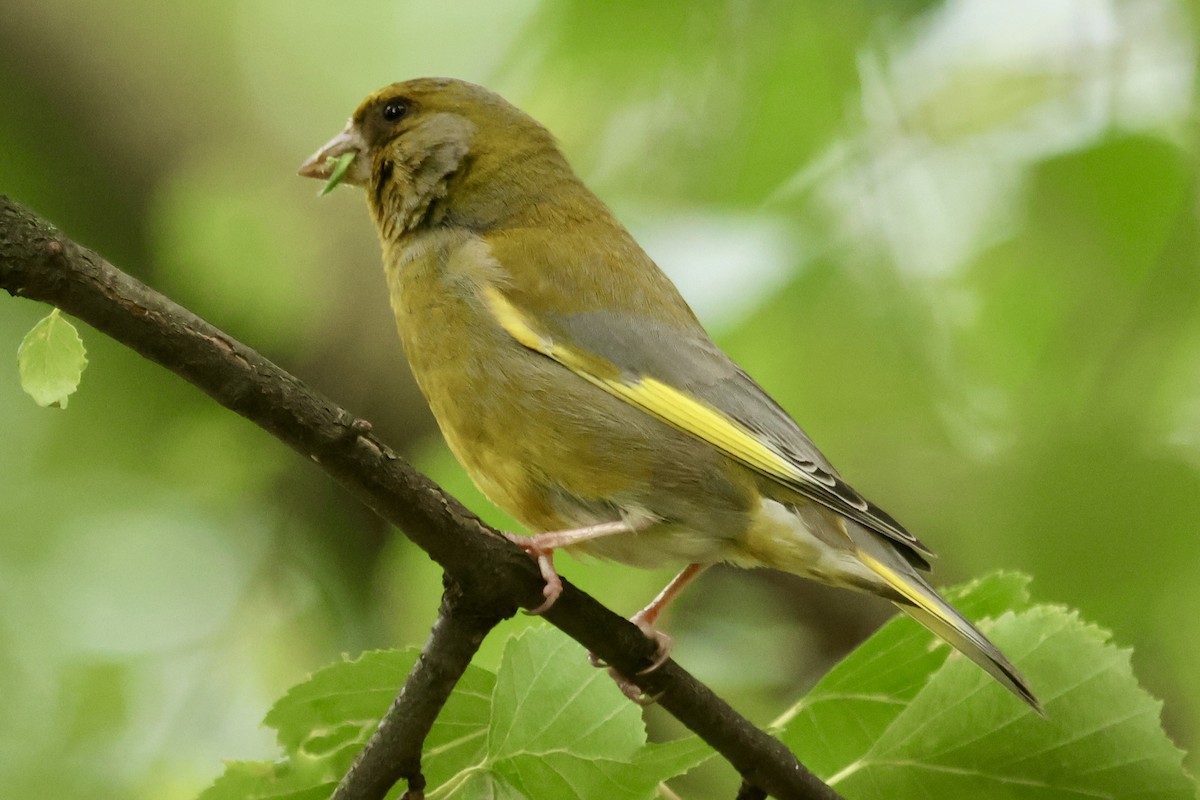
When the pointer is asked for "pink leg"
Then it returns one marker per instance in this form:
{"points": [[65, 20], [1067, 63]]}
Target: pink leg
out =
{"points": [[542, 546], [646, 618], [649, 614]]}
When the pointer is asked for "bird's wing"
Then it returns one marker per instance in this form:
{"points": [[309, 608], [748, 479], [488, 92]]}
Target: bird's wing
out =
{"points": [[685, 380]]}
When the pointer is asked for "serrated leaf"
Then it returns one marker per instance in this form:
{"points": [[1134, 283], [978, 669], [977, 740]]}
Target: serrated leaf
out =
{"points": [[50, 360], [484, 785], [848, 709], [676, 757], [348, 692], [568, 775], [564, 774], [547, 694], [459, 736], [561, 728], [323, 723], [961, 735], [550, 718], [256, 780]]}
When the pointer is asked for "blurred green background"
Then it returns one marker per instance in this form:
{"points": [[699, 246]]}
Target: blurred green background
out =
{"points": [[958, 241]]}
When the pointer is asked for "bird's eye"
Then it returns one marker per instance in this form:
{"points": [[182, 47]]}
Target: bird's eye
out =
{"points": [[395, 109]]}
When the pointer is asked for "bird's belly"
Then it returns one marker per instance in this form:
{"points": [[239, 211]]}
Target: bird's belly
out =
{"points": [[662, 544], [551, 449], [556, 453]]}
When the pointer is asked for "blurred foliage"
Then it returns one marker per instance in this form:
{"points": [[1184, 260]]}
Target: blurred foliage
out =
{"points": [[957, 240]]}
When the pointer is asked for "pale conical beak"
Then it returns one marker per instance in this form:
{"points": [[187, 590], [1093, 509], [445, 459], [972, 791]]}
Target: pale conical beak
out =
{"points": [[320, 164]]}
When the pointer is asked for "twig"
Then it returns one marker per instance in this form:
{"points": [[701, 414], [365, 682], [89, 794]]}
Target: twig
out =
{"points": [[748, 791], [393, 752]]}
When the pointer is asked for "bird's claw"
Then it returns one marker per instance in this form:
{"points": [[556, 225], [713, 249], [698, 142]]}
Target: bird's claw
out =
{"points": [[652, 633], [628, 687], [633, 691], [545, 561], [551, 591]]}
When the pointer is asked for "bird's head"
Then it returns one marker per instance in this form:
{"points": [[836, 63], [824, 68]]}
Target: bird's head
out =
{"points": [[429, 148]]}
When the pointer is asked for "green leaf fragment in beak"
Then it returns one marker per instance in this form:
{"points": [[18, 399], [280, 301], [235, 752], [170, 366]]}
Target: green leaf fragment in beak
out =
{"points": [[340, 165]]}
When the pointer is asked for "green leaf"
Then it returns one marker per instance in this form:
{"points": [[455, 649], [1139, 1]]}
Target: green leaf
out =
{"points": [[544, 689], [346, 693], [323, 723], [547, 725], [340, 165], [485, 786], [851, 707], [255, 780], [899, 718], [526, 777], [460, 734], [561, 728], [50, 360]]}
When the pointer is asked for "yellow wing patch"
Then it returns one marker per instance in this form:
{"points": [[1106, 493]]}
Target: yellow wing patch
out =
{"points": [[515, 323], [701, 420], [654, 397]]}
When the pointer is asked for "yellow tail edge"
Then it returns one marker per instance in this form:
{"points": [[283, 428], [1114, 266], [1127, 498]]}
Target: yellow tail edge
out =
{"points": [[926, 606]]}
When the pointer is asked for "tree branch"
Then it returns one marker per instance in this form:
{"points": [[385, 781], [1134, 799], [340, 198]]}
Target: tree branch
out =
{"points": [[394, 749], [39, 263]]}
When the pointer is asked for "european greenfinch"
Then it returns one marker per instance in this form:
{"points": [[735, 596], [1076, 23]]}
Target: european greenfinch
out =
{"points": [[576, 386]]}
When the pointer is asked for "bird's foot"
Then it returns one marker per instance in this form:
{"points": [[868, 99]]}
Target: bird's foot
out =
{"points": [[627, 686], [645, 623], [632, 690], [545, 561]]}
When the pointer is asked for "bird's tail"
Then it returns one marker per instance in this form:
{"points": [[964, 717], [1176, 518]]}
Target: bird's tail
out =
{"points": [[921, 602]]}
